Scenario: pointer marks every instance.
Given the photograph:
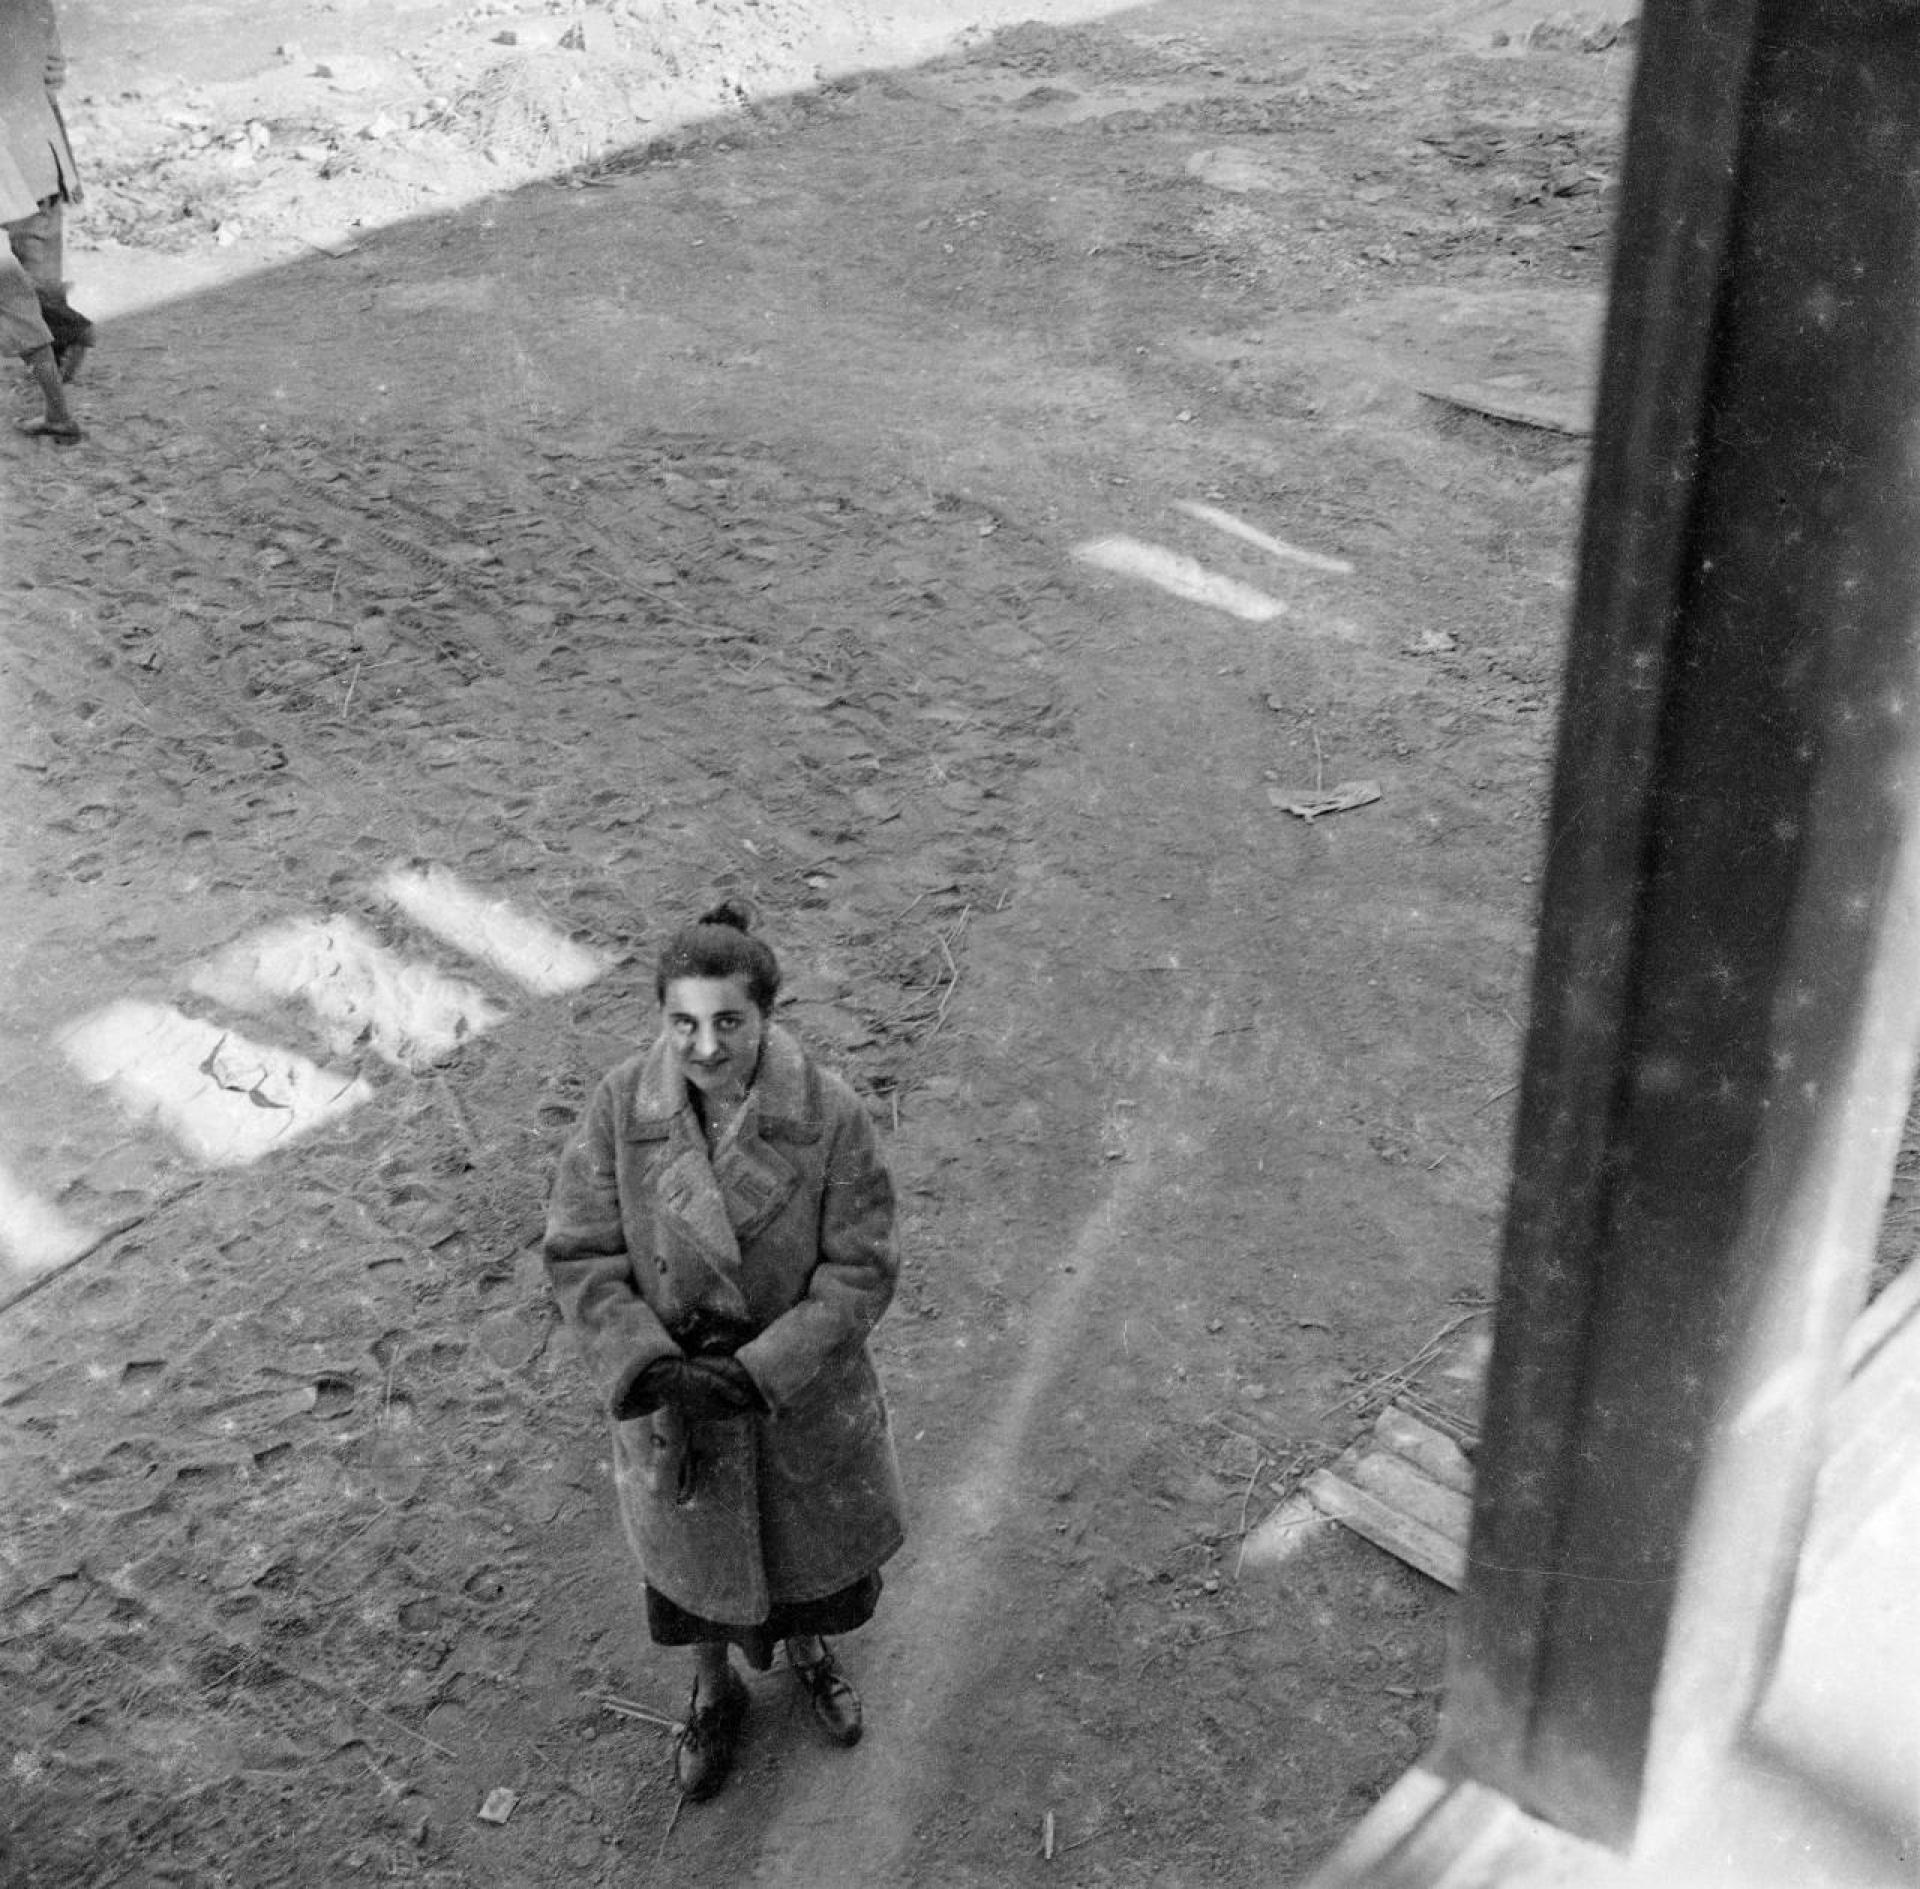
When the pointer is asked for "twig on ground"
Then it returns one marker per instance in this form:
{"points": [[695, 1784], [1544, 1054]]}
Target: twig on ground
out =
{"points": [[1246, 1498], [1231, 1633], [1403, 1375], [1081, 1842], [678, 1804], [105, 1235], [1458, 1428], [1187, 1646], [1258, 1442], [469, 1145], [946, 951], [953, 968], [340, 1547], [628, 1708]]}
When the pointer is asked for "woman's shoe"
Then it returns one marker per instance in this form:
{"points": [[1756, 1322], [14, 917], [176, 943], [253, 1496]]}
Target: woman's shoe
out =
{"points": [[703, 1752], [835, 1703]]}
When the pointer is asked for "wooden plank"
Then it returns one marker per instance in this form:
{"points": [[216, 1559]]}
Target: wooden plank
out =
{"points": [[1429, 1450], [1411, 1541], [1546, 412], [1399, 1484]]}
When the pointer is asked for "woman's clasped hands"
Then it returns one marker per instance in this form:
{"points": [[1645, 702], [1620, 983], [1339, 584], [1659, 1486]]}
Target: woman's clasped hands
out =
{"points": [[700, 1390]]}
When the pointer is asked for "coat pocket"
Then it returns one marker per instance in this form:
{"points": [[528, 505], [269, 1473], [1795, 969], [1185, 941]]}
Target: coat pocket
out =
{"points": [[653, 1454]]}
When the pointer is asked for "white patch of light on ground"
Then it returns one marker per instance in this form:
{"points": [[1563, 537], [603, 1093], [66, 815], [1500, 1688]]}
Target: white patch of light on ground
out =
{"points": [[407, 1011], [1252, 534], [225, 1100], [35, 1236], [523, 948], [1180, 576]]}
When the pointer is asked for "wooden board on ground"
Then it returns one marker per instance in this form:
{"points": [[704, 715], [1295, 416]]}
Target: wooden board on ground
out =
{"points": [[1406, 1487], [1517, 406]]}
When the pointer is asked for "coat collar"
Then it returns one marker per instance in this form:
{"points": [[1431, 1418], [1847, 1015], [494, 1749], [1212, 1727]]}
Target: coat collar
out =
{"points": [[786, 1088]]}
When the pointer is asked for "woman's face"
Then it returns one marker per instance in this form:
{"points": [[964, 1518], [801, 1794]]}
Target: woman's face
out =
{"points": [[716, 1030]]}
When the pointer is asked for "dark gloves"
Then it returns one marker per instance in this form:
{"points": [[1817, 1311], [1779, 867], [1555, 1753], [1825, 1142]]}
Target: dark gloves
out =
{"points": [[710, 1388], [702, 1390]]}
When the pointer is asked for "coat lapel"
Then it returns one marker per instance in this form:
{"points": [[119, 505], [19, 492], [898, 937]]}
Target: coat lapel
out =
{"points": [[707, 1203], [755, 1179], [689, 1204], [691, 1229]]}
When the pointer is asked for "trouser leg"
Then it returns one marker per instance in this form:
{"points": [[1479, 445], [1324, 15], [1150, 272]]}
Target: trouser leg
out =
{"points": [[23, 325], [39, 244]]}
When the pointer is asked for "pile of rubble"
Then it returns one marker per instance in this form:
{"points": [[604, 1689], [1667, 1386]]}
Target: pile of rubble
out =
{"points": [[324, 140]]}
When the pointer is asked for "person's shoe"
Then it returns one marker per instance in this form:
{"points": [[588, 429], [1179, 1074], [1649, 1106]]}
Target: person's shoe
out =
{"points": [[835, 1703], [703, 1752]]}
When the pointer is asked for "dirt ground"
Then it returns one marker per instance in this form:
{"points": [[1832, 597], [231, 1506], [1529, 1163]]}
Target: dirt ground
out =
{"points": [[725, 507]]}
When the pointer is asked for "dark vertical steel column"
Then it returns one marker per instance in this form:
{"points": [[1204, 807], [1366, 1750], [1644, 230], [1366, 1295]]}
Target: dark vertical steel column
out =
{"points": [[1727, 990]]}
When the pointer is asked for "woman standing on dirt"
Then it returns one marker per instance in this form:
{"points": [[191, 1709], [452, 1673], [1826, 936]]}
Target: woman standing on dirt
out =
{"points": [[721, 1240]]}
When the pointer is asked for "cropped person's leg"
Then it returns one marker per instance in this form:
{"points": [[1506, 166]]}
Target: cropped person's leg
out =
{"points": [[39, 243], [24, 332]]}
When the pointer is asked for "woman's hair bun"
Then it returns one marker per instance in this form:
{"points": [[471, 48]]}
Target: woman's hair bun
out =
{"points": [[719, 943], [736, 913]]}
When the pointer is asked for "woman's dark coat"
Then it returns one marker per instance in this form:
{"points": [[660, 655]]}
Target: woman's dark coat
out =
{"points": [[789, 1230]]}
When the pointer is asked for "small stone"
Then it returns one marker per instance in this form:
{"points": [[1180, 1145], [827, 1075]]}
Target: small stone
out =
{"points": [[499, 1805]]}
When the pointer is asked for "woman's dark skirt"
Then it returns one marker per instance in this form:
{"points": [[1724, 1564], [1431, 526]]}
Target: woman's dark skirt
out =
{"points": [[670, 1624]]}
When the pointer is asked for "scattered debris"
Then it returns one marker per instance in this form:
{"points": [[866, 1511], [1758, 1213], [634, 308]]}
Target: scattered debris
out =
{"points": [[1397, 1384], [1547, 412], [1570, 33], [628, 1708], [1408, 1488], [1310, 805]]}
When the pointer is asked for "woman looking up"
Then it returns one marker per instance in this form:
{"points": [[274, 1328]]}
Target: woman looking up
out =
{"points": [[721, 1240]]}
